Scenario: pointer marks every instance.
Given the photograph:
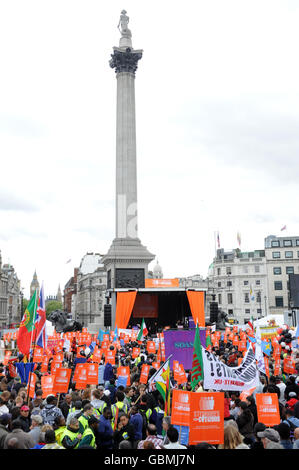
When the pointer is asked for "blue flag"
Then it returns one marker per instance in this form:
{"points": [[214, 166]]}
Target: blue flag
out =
{"points": [[115, 335], [266, 347], [24, 369], [101, 335]]}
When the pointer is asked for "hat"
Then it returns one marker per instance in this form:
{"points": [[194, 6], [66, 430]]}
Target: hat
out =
{"points": [[100, 387], [292, 394], [107, 393], [270, 434], [25, 408]]}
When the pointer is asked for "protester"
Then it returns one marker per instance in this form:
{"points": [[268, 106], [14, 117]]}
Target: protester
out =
{"points": [[66, 405], [88, 436], [59, 427], [284, 433], [50, 411], [125, 431], [71, 436], [50, 441], [5, 420], [173, 437], [104, 436], [233, 439], [245, 422], [35, 428], [270, 439], [151, 435], [23, 438]]}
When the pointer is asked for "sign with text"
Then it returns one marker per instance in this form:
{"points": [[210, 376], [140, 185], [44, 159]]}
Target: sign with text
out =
{"points": [[180, 411], [267, 408], [206, 418]]}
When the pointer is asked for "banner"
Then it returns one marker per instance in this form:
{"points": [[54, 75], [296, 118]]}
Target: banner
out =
{"points": [[81, 377], [206, 418], [180, 410], [289, 365], [179, 344], [124, 371], [32, 383], [144, 373], [61, 380], [47, 382], [219, 376], [38, 354], [268, 331], [151, 347], [92, 373], [267, 409]]}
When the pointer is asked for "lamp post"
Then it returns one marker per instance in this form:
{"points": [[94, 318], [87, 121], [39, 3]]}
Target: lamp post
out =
{"points": [[265, 298]]}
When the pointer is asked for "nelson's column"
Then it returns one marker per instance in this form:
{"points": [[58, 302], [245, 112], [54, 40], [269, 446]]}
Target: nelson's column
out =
{"points": [[127, 260]]}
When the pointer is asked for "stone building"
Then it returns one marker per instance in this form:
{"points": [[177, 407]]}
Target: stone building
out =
{"points": [[88, 304], [69, 293], [3, 295], [14, 314]]}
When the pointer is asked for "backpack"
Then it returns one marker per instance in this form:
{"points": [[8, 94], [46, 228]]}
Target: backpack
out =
{"points": [[292, 428], [144, 423]]}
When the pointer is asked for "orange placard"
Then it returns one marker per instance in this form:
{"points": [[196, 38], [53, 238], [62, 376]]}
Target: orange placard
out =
{"points": [[54, 366], [267, 408], [92, 373], [81, 377], [47, 382], [156, 365], [266, 361], [151, 347], [242, 345], [144, 373], [246, 393], [6, 357], [38, 354], [135, 352], [125, 372], [110, 356], [182, 378], [289, 365], [97, 354], [206, 418], [61, 380], [32, 385], [44, 366], [176, 370], [180, 410], [277, 367]]}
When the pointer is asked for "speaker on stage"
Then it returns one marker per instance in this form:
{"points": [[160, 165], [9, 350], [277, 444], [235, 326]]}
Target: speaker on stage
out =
{"points": [[213, 312], [107, 315]]}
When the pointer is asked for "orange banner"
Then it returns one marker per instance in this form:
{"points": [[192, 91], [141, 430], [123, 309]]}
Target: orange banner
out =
{"points": [[156, 365], [81, 376], [44, 366], [38, 354], [125, 372], [289, 365], [47, 382], [151, 347], [267, 409], [197, 306], [182, 378], [162, 283], [61, 380], [32, 385], [92, 373], [97, 354], [180, 410], [110, 356], [135, 352], [124, 306], [144, 373], [206, 418], [6, 357]]}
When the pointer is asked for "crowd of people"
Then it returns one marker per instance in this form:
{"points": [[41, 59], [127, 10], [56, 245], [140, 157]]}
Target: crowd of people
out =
{"points": [[108, 416]]}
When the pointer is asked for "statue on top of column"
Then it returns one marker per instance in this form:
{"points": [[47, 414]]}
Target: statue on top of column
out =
{"points": [[123, 28]]}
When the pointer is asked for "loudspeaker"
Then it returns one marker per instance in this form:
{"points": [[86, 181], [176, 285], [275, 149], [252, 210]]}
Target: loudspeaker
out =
{"points": [[107, 315], [213, 312]]}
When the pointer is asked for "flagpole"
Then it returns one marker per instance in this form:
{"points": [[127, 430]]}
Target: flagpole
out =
{"points": [[30, 373]]}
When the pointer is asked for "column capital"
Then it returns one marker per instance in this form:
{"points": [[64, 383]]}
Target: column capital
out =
{"points": [[125, 60]]}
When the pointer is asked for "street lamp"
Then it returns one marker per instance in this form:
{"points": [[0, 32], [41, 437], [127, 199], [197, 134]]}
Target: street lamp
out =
{"points": [[265, 298]]}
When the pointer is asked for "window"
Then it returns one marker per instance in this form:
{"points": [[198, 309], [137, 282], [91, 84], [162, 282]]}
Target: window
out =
{"points": [[277, 285], [218, 271], [219, 299], [256, 268], [297, 242], [247, 311], [277, 270], [276, 254], [229, 283], [228, 270], [258, 297], [258, 282], [219, 284], [245, 283], [229, 298], [246, 297], [275, 243], [288, 254], [259, 311], [278, 301], [290, 270], [245, 268], [287, 243], [230, 311]]}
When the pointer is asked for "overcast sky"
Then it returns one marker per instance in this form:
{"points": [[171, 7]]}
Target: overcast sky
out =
{"points": [[217, 110]]}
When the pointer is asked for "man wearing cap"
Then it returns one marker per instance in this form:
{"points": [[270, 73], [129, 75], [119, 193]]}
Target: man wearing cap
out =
{"points": [[35, 428], [270, 439], [88, 437], [292, 400], [24, 418]]}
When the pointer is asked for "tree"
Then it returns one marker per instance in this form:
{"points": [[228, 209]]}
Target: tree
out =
{"points": [[53, 305]]}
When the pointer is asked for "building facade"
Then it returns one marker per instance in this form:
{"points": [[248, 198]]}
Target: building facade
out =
{"points": [[88, 302], [282, 255], [239, 284], [10, 296]]}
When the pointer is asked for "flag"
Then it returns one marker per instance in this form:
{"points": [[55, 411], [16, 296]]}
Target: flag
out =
{"points": [[251, 293], [266, 347], [283, 228], [115, 335], [259, 356], [197, 362], [142, 332], [40, 323], [218, 240], [297, 332], [208, 343], [161, 382], [239, 238], [68, 261], [27, 325], [101, 335]]}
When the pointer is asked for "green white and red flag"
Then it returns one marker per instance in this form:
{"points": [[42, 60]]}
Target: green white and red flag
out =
{"points": [[197, 373], [142, 332]]}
